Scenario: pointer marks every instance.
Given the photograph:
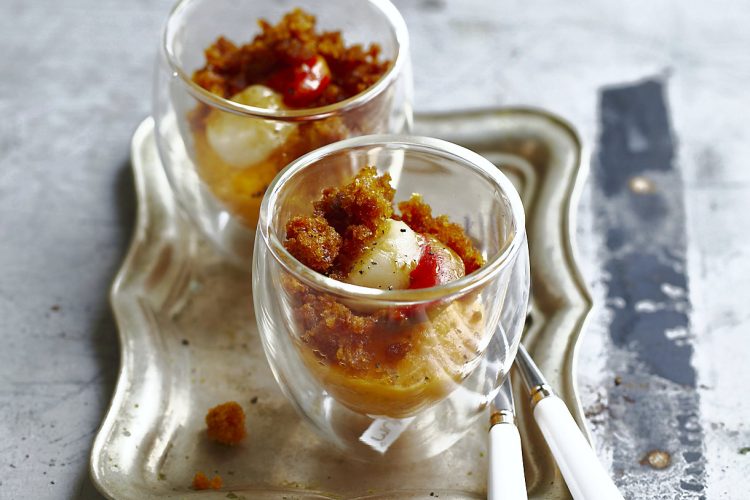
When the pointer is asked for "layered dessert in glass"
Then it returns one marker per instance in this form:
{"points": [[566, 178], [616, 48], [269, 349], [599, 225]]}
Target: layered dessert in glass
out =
{"points": [[385, 297], [245, 87], [388, 361], [287, 66]]}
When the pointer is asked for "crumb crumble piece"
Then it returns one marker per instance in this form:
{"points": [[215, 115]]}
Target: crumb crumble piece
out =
{"points": [[202, 482], [226, 423]]}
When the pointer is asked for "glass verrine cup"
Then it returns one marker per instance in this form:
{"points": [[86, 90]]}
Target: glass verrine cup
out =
{"points": [[460, 337], [221, 189]]}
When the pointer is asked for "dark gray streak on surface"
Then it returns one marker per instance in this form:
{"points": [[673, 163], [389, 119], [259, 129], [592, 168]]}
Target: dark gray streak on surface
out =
{"points": [[646, 283]]}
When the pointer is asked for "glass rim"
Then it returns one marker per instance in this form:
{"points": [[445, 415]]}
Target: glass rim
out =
{"points": [[495, 264], [398, 30]]}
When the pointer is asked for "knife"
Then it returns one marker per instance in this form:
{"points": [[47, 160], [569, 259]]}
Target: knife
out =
{"points": [[583, 473], [505, 478]]}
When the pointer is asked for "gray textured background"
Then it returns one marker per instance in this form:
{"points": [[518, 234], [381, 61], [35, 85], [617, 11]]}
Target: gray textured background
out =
{"points": [[75, 80]]}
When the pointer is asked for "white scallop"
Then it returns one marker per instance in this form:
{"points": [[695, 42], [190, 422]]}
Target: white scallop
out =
{"points": [[388, 260], [244, 141]]}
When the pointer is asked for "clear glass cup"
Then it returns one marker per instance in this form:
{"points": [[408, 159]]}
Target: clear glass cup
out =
{"points": [[220, 197], [462, 335]]}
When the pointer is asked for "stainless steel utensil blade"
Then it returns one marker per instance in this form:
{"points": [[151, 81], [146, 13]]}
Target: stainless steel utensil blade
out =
{"points": [[504, 398]]}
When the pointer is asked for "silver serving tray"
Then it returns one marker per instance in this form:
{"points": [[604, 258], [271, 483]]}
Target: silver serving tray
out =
{"points": [[188, 340]]}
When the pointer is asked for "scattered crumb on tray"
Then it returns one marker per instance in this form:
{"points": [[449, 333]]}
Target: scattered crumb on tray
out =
{"points": [[202, 482], [226, 423]]}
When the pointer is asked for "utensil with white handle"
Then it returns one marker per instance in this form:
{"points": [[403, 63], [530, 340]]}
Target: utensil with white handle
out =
{"points": [[583, 473], [505, 478]]}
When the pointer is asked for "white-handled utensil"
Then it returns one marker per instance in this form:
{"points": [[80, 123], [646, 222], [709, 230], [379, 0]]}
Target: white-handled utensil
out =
{"points": [[505, 478], [583, 473]]}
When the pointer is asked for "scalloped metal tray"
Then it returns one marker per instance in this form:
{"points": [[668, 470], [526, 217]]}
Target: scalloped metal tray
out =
{"points": [[188, 341]]}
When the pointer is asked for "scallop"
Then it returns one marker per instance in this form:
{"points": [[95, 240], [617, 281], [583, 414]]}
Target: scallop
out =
{"points": [[242, 141], [387, 261]]}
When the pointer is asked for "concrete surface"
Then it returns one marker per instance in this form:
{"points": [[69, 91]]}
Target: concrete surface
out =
{"points": [[75, 81]]}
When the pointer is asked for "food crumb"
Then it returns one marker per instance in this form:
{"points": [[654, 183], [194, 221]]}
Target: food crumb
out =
{"points": [[254, 400], [226, 423], [201, 482]]}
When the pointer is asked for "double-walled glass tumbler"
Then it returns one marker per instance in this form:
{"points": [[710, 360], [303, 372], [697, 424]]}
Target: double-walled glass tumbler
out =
{"points": [[220, 154], [460, 337]]}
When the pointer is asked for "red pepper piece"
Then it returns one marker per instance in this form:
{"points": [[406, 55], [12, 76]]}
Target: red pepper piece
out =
{"points": [[301, 85], [434, 268], [427, 272]]}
